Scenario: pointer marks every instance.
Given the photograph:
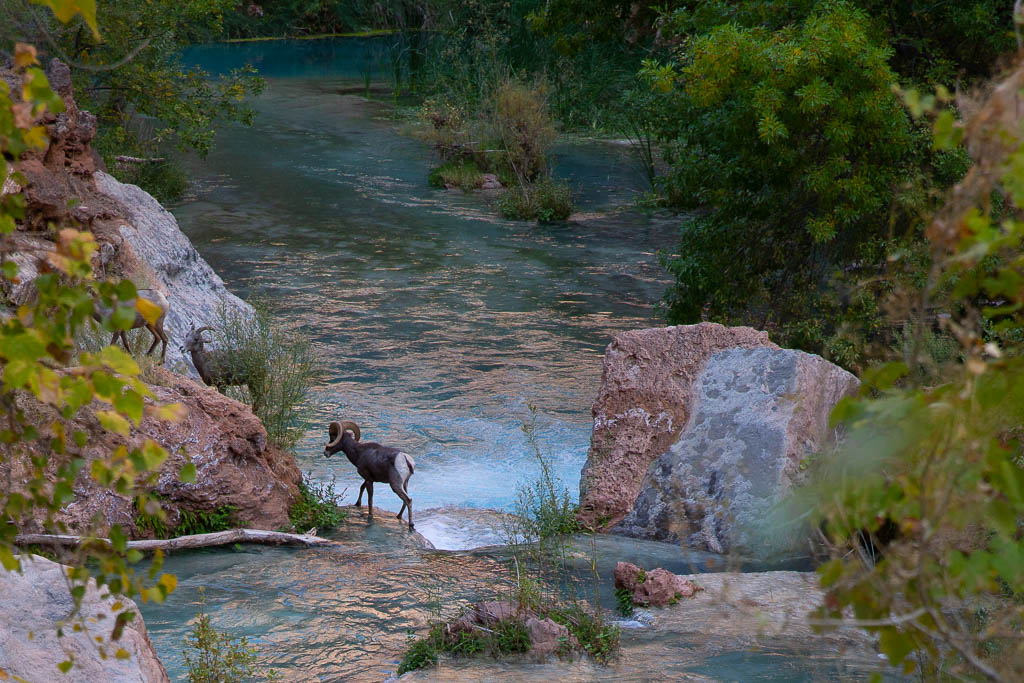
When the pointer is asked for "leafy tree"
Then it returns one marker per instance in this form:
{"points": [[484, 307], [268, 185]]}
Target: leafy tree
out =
{"points": [[923, 502], [800, 167], [134, 69], [36, 348]]}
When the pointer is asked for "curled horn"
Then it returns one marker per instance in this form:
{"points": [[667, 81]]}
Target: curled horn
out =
{"points": [[334, 431], [202, 329], [346, 426]]}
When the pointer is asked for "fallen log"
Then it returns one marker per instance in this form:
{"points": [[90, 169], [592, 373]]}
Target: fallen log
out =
{"points": [[124, 159], [182, 542]]}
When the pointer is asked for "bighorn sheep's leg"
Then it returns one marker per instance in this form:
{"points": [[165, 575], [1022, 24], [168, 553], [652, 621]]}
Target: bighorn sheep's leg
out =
{"points": [[369, 499], [124, 340], [156, 339], [359, 498], [398, 486], [164, 339]]}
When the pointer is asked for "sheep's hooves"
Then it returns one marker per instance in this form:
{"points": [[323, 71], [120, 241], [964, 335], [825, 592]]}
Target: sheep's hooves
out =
{"points": [[359, 505], [411, 527]]}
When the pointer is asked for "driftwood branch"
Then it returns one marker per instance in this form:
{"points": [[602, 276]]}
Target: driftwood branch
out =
{"points": [[121, 158], [182, 542]]}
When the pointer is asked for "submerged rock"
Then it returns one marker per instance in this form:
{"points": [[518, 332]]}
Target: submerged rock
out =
{"points": [[37, 599], [655, 588], [235, 465], [756, 412], [644, 402]]}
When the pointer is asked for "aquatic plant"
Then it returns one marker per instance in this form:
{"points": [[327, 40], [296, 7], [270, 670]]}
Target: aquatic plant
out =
{"points": [[546, 200], [213, 656], [465, 175]]}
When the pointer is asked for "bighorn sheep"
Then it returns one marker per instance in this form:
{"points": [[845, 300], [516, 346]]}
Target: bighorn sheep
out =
{"points": [[218, 368], [156, 328], [375, 463]]}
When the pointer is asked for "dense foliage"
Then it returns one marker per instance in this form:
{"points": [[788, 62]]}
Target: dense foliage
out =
{"points": [[797, 160], [132, 77], [36, 351], [923, 502]]}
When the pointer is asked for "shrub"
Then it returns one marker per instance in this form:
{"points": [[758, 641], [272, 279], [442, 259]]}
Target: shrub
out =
{"points": [[317, 507], [150, 517], [598, 638], [283, 363], [521, 121], [509, 636], [216, 657], [546, 200], [797, 161]]}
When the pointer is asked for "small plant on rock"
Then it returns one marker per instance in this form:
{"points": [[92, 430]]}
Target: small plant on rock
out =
{"points": [[318, 506]]}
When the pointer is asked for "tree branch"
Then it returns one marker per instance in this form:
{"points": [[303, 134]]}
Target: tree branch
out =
{"points": [[182, 542]]}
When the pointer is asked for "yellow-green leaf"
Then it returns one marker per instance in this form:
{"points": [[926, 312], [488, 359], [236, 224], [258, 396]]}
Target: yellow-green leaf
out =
{"points": [[65, 11], [113, 422]]}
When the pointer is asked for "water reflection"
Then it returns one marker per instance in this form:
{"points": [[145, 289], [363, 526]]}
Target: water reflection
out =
{"points": [[440, 321]]}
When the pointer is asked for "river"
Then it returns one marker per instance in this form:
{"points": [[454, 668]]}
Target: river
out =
{"points": [[442, 324]]}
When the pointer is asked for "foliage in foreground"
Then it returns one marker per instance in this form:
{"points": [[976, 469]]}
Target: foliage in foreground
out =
{"points": [[923, 502], [37, 347], [318, 506], [283, 365], [217, 657]]}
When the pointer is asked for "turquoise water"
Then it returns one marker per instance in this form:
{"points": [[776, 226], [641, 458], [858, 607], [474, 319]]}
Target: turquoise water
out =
{"points": [[441, 324]]}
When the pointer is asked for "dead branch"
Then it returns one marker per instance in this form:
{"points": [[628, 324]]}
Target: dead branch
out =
{"points": [[181, 542]]}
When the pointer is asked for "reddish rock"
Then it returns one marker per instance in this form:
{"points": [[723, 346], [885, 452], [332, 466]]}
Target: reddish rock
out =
{"points": [[658, 588], [220, 436], [546, 637], [643, 404]]}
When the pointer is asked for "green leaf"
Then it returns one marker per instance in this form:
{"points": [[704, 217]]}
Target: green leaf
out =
{"points": [[896, 645], [188, 473], [8, 560], [65, 666]]}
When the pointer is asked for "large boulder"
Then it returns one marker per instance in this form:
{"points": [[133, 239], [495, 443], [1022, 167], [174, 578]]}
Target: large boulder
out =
{"points": [[642, 406], [235, 464], [34, 601], [756, 413]]}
